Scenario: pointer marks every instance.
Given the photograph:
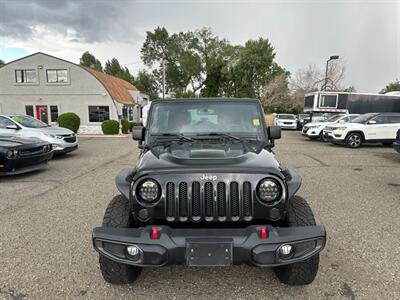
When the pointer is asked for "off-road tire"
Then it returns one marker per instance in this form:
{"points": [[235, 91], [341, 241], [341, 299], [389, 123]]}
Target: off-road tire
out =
{"points": [[118, 215], [304, 272], [354, 140]]}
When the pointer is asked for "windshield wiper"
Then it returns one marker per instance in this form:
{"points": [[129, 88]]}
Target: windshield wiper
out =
{"points": [[173, 136], [227, 135]]}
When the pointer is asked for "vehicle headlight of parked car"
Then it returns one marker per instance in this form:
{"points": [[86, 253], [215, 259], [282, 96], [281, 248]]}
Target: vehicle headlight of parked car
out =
{"points": [[53, 135], [313, 126], [12, 154]]}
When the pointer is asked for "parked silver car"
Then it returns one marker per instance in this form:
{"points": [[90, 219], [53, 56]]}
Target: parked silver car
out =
{"points": [[62, 139]]}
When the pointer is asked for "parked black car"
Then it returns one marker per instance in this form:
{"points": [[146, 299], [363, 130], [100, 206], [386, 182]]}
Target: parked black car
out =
{"points": [[207, 191], [302, 119], [396, 143], [23, 155]]}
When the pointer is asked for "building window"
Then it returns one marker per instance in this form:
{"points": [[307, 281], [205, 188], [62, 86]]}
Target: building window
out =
{"points": [[53, 113], [57, 76], [29, 110], [25, 76], [99, 113]]}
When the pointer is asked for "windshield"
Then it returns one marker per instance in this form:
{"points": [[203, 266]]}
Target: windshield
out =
{"points": [[290, 117], [363, 118], [241, 119], [333, 118], [28, 121]]}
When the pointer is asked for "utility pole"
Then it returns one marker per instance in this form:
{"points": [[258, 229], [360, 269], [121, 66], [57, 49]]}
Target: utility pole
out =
{"points": [[163, 76]]}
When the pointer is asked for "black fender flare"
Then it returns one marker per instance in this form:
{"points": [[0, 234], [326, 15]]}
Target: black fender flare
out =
{"points": [[293, 181], [123, 182]]}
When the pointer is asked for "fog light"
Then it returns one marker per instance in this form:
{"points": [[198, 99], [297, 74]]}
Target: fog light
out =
{"points": [[133, 252], [286, 251]]}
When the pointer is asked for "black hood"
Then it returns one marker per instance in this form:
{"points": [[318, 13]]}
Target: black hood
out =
{"points": [[210, 161], [16, 142]]}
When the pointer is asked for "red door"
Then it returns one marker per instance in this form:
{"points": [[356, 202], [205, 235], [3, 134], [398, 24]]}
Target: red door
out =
{"points": [[42, 113]]}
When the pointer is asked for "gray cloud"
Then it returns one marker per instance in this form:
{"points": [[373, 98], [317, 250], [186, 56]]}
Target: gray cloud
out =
{"points": [[366, 34], [93, 21]]}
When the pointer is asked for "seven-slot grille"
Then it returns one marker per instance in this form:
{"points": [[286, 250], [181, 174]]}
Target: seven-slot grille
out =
{"points": [[210, 201]]}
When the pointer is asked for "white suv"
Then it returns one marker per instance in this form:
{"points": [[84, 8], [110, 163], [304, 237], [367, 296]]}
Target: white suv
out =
{"points": [[286, 121], [314, 129], [370, 128]]}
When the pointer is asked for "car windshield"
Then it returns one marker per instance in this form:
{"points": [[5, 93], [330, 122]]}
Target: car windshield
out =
{"points": [[217, 118], [363, 118], [288, 117], [333, 118], [28, 121]]}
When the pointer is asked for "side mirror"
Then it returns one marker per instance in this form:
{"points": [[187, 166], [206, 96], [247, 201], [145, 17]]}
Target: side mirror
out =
{"points": [[341, 121], [14, 127], [371, 122], [274, 132], [138, 133]]}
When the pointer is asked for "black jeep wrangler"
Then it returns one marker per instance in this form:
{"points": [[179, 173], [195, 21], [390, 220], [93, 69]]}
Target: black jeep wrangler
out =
{"points": [[208, 191]]}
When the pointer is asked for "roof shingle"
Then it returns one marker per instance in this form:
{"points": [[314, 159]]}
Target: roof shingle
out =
{"points": [[116, 87]]}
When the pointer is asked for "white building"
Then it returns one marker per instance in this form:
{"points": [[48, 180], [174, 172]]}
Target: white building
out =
{"points": [[45, 86]]}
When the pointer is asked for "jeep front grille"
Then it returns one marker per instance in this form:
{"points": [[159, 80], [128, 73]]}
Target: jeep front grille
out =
{"points": [[209, 201]]}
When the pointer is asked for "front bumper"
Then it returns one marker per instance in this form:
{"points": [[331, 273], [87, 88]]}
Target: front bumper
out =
{"points": [[59, 150], [243, 245], [25, 165], [335, 137], [288, 126]]}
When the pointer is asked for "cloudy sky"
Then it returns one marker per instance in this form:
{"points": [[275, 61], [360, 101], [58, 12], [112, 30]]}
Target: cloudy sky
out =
{"points": [[366, 34]]}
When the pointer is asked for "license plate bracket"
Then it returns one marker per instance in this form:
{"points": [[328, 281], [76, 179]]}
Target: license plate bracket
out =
{"points": [[207, 253]]}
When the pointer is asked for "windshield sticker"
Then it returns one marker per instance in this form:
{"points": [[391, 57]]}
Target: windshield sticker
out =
{"points": [[256, 122]]}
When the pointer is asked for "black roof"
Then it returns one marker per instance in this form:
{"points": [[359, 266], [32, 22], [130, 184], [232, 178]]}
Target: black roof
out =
{"points": [[205, 99]]}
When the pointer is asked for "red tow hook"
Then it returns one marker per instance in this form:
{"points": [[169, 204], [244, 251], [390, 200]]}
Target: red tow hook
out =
{"points": [[263, 232], [154, 233]]}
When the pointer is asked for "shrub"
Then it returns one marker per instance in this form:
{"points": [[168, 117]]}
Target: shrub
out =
{"points": [[69, 120], [126, 126], [110, 127]]}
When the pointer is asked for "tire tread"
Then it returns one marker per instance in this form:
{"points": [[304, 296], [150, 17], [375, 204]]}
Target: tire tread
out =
{"points": [[304, 272]]}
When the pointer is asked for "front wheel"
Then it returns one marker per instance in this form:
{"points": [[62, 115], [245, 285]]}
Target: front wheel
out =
{"points": [[301, 273], [118, 215], [354, 140], [321, 136]]}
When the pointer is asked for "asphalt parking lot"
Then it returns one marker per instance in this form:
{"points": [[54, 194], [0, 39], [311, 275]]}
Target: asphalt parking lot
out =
{"points": [[46, 220]]}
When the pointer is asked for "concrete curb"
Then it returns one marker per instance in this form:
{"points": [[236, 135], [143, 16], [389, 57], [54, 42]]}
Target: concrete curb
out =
{"points": [[103, 136]]}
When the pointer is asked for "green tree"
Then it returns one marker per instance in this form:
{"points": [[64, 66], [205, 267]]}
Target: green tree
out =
{"points": [[88, 60], [114, 68], [349, 89], [148, 83], [391, 87], [195, 62], [200, 63], [255, 68], [2, 63]]}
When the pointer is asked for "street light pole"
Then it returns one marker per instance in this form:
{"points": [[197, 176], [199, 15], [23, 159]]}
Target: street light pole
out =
{"points": [[333, 57]]}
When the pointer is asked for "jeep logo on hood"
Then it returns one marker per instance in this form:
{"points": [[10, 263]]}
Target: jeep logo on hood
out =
{"points": [[208, 177]]}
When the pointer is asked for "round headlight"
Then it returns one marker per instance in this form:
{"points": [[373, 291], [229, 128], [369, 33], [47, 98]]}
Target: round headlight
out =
{"points": [[269, 190], [148, 190]]}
